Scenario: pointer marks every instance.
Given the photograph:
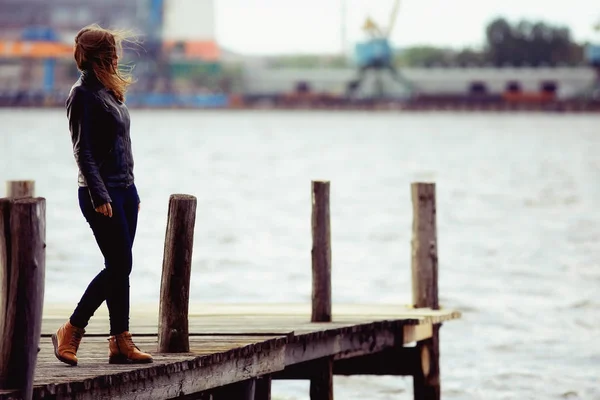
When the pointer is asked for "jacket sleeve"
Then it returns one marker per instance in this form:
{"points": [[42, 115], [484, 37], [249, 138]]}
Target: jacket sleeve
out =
{"points": [[81, 110]]}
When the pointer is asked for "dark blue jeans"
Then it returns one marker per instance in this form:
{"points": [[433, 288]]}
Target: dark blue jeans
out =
{"points": [[115, 239]]}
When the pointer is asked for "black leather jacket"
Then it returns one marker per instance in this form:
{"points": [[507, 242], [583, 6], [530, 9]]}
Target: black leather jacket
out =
{"points": [[99, 126]]}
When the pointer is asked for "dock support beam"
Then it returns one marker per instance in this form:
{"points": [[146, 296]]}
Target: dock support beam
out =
{"points": [[22, 274], [321, 252], [321, 384], [239, 391], [263, 388], [173, 330], [425, 286]]}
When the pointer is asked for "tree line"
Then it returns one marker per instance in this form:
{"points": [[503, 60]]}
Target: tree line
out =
{"points": [[520, 43]]}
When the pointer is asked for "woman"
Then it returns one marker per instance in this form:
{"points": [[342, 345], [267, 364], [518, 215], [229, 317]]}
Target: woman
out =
{"points": [[99, 125]]}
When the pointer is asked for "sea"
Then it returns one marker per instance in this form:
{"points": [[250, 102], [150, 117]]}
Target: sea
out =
{"points": [[518, 214]]}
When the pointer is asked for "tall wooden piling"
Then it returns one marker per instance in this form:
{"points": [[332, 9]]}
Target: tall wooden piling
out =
{"points": [[425, 286], [321, 253], [20, 189], [6, 298], [321, 384], [263, 388], [173, 333], [22, 274], [244, 390]]}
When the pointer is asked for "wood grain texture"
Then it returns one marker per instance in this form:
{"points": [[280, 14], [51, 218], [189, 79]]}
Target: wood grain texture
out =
{"points": [[228, 319], [7, 298], [342, 343], [426, 382], [175, 284], [171, 375], [321, 252], [215, 360], [20, 189], [424, 246], [26, 292]]}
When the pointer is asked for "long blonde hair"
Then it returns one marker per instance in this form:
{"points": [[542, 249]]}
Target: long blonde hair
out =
{"points": [[96, 50]]}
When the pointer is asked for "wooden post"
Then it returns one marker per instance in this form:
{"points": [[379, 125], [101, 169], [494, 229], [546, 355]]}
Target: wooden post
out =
{"points": [[321, 385], [173, 334], [243, 390], [22, 274], [6, 298], [263, 388], [321, 253], [20, 189], [424, 247], [425, 286]]}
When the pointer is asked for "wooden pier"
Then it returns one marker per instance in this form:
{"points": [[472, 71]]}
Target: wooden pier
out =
{"points": [[229, 352]]}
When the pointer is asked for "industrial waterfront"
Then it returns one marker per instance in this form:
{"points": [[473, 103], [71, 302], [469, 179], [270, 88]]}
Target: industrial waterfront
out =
{"points": [[179, 63], [508, 135]]}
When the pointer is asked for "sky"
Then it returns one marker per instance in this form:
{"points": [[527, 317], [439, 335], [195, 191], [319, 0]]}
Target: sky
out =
{"points": [[314, 26]]}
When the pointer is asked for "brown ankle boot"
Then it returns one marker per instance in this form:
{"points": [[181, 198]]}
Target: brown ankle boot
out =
{"points": [[66, 342], [122, 350]]}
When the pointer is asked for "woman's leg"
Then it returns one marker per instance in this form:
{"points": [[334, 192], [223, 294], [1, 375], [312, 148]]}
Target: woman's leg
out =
{"points": [[131, 211], [112, 283]]}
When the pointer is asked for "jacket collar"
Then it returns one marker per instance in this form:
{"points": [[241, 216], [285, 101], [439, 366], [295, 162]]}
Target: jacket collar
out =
{"points": [[88, 78]]}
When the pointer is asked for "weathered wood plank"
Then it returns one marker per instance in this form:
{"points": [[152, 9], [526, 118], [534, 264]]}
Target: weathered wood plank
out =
{"points": [[416, 333], [177, 266], [144, 321], [314, 346], [93, 355], [251, 310], [301, 354], [169, 376], [216, 358]]}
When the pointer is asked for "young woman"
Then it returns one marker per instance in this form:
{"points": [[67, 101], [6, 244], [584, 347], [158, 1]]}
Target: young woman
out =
{"points": [[99, 125]]}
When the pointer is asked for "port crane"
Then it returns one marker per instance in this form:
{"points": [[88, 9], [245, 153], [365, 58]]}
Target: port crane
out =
{"points": [[593, 59], [375, 57]]}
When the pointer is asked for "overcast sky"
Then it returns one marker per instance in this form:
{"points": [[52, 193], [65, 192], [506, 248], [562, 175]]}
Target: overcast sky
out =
{"points": [[314, 26]]}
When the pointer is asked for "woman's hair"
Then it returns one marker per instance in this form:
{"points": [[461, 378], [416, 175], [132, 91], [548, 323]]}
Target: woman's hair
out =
{"points": [[96, 50]]}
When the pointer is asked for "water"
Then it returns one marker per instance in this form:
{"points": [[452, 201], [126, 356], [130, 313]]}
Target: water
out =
{"points": [[518, 226]]}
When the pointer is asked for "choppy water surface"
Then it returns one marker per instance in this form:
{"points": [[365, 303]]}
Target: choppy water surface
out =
{"points": [[518, 226]]}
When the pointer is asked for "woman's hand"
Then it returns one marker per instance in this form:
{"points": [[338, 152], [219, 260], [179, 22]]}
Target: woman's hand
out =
{"points": [[105, 209]]}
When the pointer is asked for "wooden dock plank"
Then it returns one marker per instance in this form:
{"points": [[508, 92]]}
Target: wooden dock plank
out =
{"points": [[228, 344], [252, 309], [214, 362], [255, 319]]}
